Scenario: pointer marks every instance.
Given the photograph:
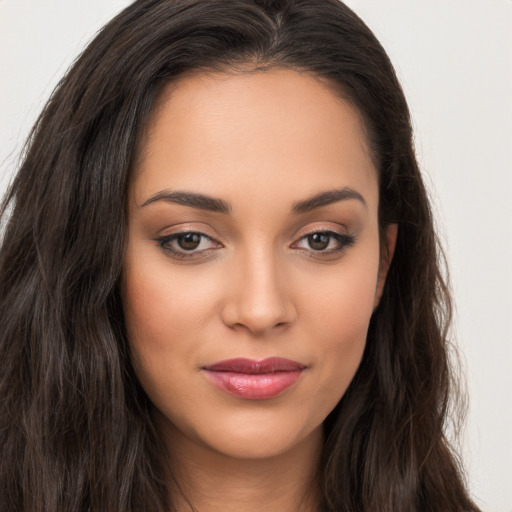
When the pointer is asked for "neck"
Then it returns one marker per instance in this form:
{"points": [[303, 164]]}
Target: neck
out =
{"points": [[208, 481]]}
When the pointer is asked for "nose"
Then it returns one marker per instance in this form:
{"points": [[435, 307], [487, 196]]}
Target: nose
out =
{"points": [[259, 299]]}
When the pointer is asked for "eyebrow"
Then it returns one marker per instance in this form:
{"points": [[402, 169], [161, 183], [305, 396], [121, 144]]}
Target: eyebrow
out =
{"points": [[326, 198], [213, 204], [190, 199]]}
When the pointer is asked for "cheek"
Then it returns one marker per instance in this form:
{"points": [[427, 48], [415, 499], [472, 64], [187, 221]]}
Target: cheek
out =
{"points": [[148, 310], [159, 308], [169, 311], [161, 302], [161, 325], [341, 299], [345, 328], [338, 320]]}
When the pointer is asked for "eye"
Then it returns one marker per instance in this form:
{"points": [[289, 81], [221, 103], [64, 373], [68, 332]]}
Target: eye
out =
{"points": [[187, 244], [325, 242]]}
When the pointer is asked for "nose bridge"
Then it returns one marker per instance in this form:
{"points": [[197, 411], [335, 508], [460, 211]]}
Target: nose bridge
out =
{"points": [[260, 299]]}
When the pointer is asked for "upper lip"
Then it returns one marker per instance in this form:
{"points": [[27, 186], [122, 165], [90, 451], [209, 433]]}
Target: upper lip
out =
{"points": [[252, 367]]}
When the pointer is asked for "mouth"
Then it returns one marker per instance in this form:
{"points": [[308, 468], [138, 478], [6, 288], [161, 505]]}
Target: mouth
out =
{"points": [[254, 380]]}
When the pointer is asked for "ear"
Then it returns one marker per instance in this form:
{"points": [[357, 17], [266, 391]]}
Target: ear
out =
{"points": [[386, 256]]}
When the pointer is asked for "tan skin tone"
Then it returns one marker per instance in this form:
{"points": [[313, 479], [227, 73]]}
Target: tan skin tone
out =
{"points": [[266, 278]]}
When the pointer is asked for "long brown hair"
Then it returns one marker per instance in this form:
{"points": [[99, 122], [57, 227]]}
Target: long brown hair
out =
{"points": [[75, 427]]}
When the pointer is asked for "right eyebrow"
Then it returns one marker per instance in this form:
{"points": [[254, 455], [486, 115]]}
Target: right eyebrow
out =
{"points": [[190, 199]]}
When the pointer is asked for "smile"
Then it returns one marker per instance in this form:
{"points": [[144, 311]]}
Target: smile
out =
{"points": [[254, 380]]}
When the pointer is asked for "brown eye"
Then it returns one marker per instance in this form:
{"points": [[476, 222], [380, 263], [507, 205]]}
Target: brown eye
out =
{"points": [[191, 245], [189, 241], [326, 244], [319, 241]]}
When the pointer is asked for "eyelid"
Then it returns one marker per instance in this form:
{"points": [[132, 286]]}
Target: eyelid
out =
{"points": [[344, 238], [164, 242], [337, 228]]}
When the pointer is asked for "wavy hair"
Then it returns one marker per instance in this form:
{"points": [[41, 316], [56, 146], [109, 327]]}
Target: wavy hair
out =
{"points": [[76, 432]]}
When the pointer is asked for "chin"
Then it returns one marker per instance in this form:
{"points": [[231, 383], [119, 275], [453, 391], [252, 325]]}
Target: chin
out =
{"points": [[257, 447], [260, 439]]}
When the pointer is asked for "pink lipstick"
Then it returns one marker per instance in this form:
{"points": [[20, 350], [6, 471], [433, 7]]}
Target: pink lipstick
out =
{"points": [[254, 380]]}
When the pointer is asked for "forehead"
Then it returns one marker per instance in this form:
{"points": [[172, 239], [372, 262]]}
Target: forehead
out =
{"points": [[284, 129]]}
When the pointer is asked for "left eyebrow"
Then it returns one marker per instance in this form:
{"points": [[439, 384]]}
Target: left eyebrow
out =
{"points": [[326, 198]]}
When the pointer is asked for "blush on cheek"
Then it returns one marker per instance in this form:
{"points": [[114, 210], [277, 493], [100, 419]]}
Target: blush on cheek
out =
{"points": [[146, 300], [349, 303], [345, 318]]}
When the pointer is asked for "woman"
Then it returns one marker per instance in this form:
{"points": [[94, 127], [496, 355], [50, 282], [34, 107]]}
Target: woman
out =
{"points": [[220, 281]]}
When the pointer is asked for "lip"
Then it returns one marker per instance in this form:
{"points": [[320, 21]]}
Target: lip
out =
{"points": [[254, 380]]}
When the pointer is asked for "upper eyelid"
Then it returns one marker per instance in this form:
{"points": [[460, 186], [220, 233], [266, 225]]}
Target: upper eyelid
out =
{"points": [[209, 233], [172, 236], [340, 237], [164, 243], [195, 255], [296, 235], [175, 235], [340, 230]]}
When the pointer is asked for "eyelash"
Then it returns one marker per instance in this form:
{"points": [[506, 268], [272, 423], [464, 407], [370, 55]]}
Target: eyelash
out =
{"points": [[165, 241], [345, 242]]}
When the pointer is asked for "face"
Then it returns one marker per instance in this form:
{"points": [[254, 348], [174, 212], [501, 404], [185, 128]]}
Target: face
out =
{"points": [[252, 266]]}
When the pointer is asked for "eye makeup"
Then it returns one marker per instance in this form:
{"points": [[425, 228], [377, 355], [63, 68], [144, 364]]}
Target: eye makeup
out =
{"points": [[190, 244]]}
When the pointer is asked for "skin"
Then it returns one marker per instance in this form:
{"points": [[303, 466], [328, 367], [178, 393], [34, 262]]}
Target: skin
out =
{"points": [[255, 288]]}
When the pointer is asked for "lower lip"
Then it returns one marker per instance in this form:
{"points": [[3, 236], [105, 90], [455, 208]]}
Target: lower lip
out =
{"points": [[253, 386]]}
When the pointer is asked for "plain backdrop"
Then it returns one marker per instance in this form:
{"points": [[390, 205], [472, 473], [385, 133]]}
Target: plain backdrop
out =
{"points": [[454, 59]]}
